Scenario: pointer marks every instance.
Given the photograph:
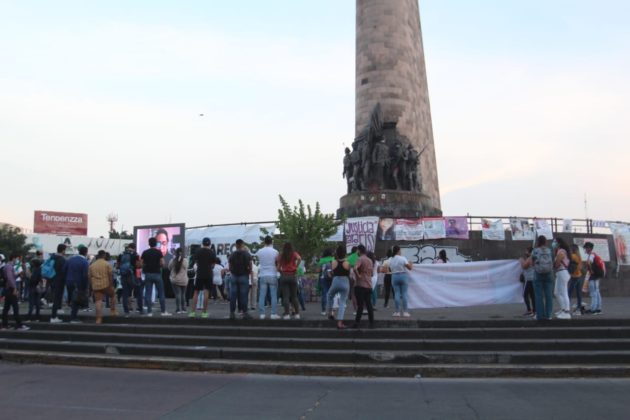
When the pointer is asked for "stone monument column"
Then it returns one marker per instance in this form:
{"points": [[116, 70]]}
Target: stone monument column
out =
{"points": [[391, 71]]}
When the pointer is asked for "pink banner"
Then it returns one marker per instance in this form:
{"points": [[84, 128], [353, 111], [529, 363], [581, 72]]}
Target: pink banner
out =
{"points": [[60, 223]]}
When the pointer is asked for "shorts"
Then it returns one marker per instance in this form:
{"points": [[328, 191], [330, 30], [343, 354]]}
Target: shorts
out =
{"points": [[99, 294], [203, 284]]}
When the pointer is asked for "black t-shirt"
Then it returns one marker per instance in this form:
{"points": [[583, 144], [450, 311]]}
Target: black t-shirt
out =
{"points": [[240, 263], [151, 260], [205, 259]]}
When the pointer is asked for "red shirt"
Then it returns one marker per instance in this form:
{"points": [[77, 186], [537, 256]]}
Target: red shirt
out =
{"points": [[291, 266]]}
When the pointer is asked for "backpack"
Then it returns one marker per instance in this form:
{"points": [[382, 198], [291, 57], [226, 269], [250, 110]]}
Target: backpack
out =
{"points": [[3, 276], [125, 264], [48, 268], [543, 264], [597, 271]]}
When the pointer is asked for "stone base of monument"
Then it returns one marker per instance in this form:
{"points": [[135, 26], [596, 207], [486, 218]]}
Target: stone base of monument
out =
{"points": [[388, 203]]}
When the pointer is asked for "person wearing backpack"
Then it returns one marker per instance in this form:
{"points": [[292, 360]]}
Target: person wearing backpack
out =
{"points": [[240, 264], [11, 295], [561, 267], [543, 279], [35, 289], [597, 270], [127, 262]]}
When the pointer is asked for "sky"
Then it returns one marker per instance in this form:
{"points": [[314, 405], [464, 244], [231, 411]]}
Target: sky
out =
{"points": [[101, 103]]}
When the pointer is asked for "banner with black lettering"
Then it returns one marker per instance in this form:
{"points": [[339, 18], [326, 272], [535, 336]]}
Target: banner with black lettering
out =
{"points": [[361, 230]]}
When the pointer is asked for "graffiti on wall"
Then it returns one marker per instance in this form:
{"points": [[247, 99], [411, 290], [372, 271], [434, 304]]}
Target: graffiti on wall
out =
{"points": [[426, 254]]}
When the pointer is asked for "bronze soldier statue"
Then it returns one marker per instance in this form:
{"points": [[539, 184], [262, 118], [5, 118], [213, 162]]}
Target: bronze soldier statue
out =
{"points": [[380, 159], [355, 161], [347, 169]]}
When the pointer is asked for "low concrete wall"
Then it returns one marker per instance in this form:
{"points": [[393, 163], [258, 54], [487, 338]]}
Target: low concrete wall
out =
{"points": [[616, 283]]}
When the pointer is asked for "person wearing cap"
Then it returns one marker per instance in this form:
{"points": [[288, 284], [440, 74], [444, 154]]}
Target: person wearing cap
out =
{"points": [[204, 259], [597, 270], [127, 263], [76, 272]]}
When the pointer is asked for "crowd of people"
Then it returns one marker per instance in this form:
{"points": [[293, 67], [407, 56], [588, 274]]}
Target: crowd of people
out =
{"points": [[139, 281], [559, 270]]}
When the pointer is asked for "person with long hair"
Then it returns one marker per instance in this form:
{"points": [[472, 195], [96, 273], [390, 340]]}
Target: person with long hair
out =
{"points": [[528, 282], [561, 267], [441, 258], [399, 267], [178, 268], [363, 271], [340, 284], [387, 279], [287, 263], [577, 279], [543, 280]]}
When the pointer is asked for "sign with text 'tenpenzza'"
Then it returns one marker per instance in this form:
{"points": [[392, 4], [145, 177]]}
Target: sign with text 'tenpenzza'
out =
{"points": [[60, 223]]}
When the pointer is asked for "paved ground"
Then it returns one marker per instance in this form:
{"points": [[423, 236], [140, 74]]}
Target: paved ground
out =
{"points": [[59, 392], [618, 307]]}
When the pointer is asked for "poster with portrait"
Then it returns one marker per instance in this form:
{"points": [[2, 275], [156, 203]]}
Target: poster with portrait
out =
{"points": [[542, 227], [621, 236], [567, 225], [361, 230], [169, 237], [600, 247], [409, 229], [492, 230], [521, 229], [385, 231], [456, 227], [434, 228]]}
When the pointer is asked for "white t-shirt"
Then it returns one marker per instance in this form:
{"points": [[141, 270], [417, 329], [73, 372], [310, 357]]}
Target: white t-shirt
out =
{"points": [[216, 274], [397, 264], [267, 262]]}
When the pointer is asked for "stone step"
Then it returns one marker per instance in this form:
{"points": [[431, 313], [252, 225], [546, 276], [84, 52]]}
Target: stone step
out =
{"points": [[308, 355], [158, 337], [209, 328], [574, 370]]}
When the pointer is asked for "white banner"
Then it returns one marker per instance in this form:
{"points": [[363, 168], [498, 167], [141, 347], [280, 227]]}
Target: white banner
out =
{"points": [[465, 284], [224, 237], [543, 228], [361, 230], [567, 225], [522, 230], [434, 228], [47, 243], [492, 230], [408, 229], [621, 235]]}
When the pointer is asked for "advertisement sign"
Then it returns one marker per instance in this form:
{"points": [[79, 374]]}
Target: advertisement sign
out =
{"points": [[60, 223], [522, 230], [361, 230], [169, 238], [621, 236], [457, 227], [492, 230]]}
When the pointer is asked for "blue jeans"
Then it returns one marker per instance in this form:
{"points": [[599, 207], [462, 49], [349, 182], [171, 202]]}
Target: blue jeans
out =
{"points": [[128, 285], [267, 283], [543, 295], [339, 285], [239, 289], [576, 283], [596, 297], [151, 279], [400, 284]]}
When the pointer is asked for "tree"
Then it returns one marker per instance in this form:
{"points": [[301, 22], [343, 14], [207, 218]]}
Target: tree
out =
{"points": [[114, 234], [306, 230], [13, 240]]}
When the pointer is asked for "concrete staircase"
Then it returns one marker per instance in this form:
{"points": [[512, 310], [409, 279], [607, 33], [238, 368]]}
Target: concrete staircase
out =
{"points": [[591, 347]]}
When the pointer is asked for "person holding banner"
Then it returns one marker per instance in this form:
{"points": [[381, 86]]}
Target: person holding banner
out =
{"points": [[340, 284], [399, 266]]}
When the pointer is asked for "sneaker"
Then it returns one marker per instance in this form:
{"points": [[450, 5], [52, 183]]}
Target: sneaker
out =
{"points": [[166, 313], [324, 313], [597, 312], [205, 315], [55, 320], [564, 315], [22, 328], [406, 315], [296, 316], [396, 314], [247, 316], [286, 317], [76, 321], [576, 312], [192, 314], [274, 316], [262, 316], [232, 316], [60, 312], [149, 314]]}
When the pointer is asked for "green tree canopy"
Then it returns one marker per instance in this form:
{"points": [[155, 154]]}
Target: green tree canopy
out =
{"points": [[114, 234], [13, 240], [307, 230]]}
